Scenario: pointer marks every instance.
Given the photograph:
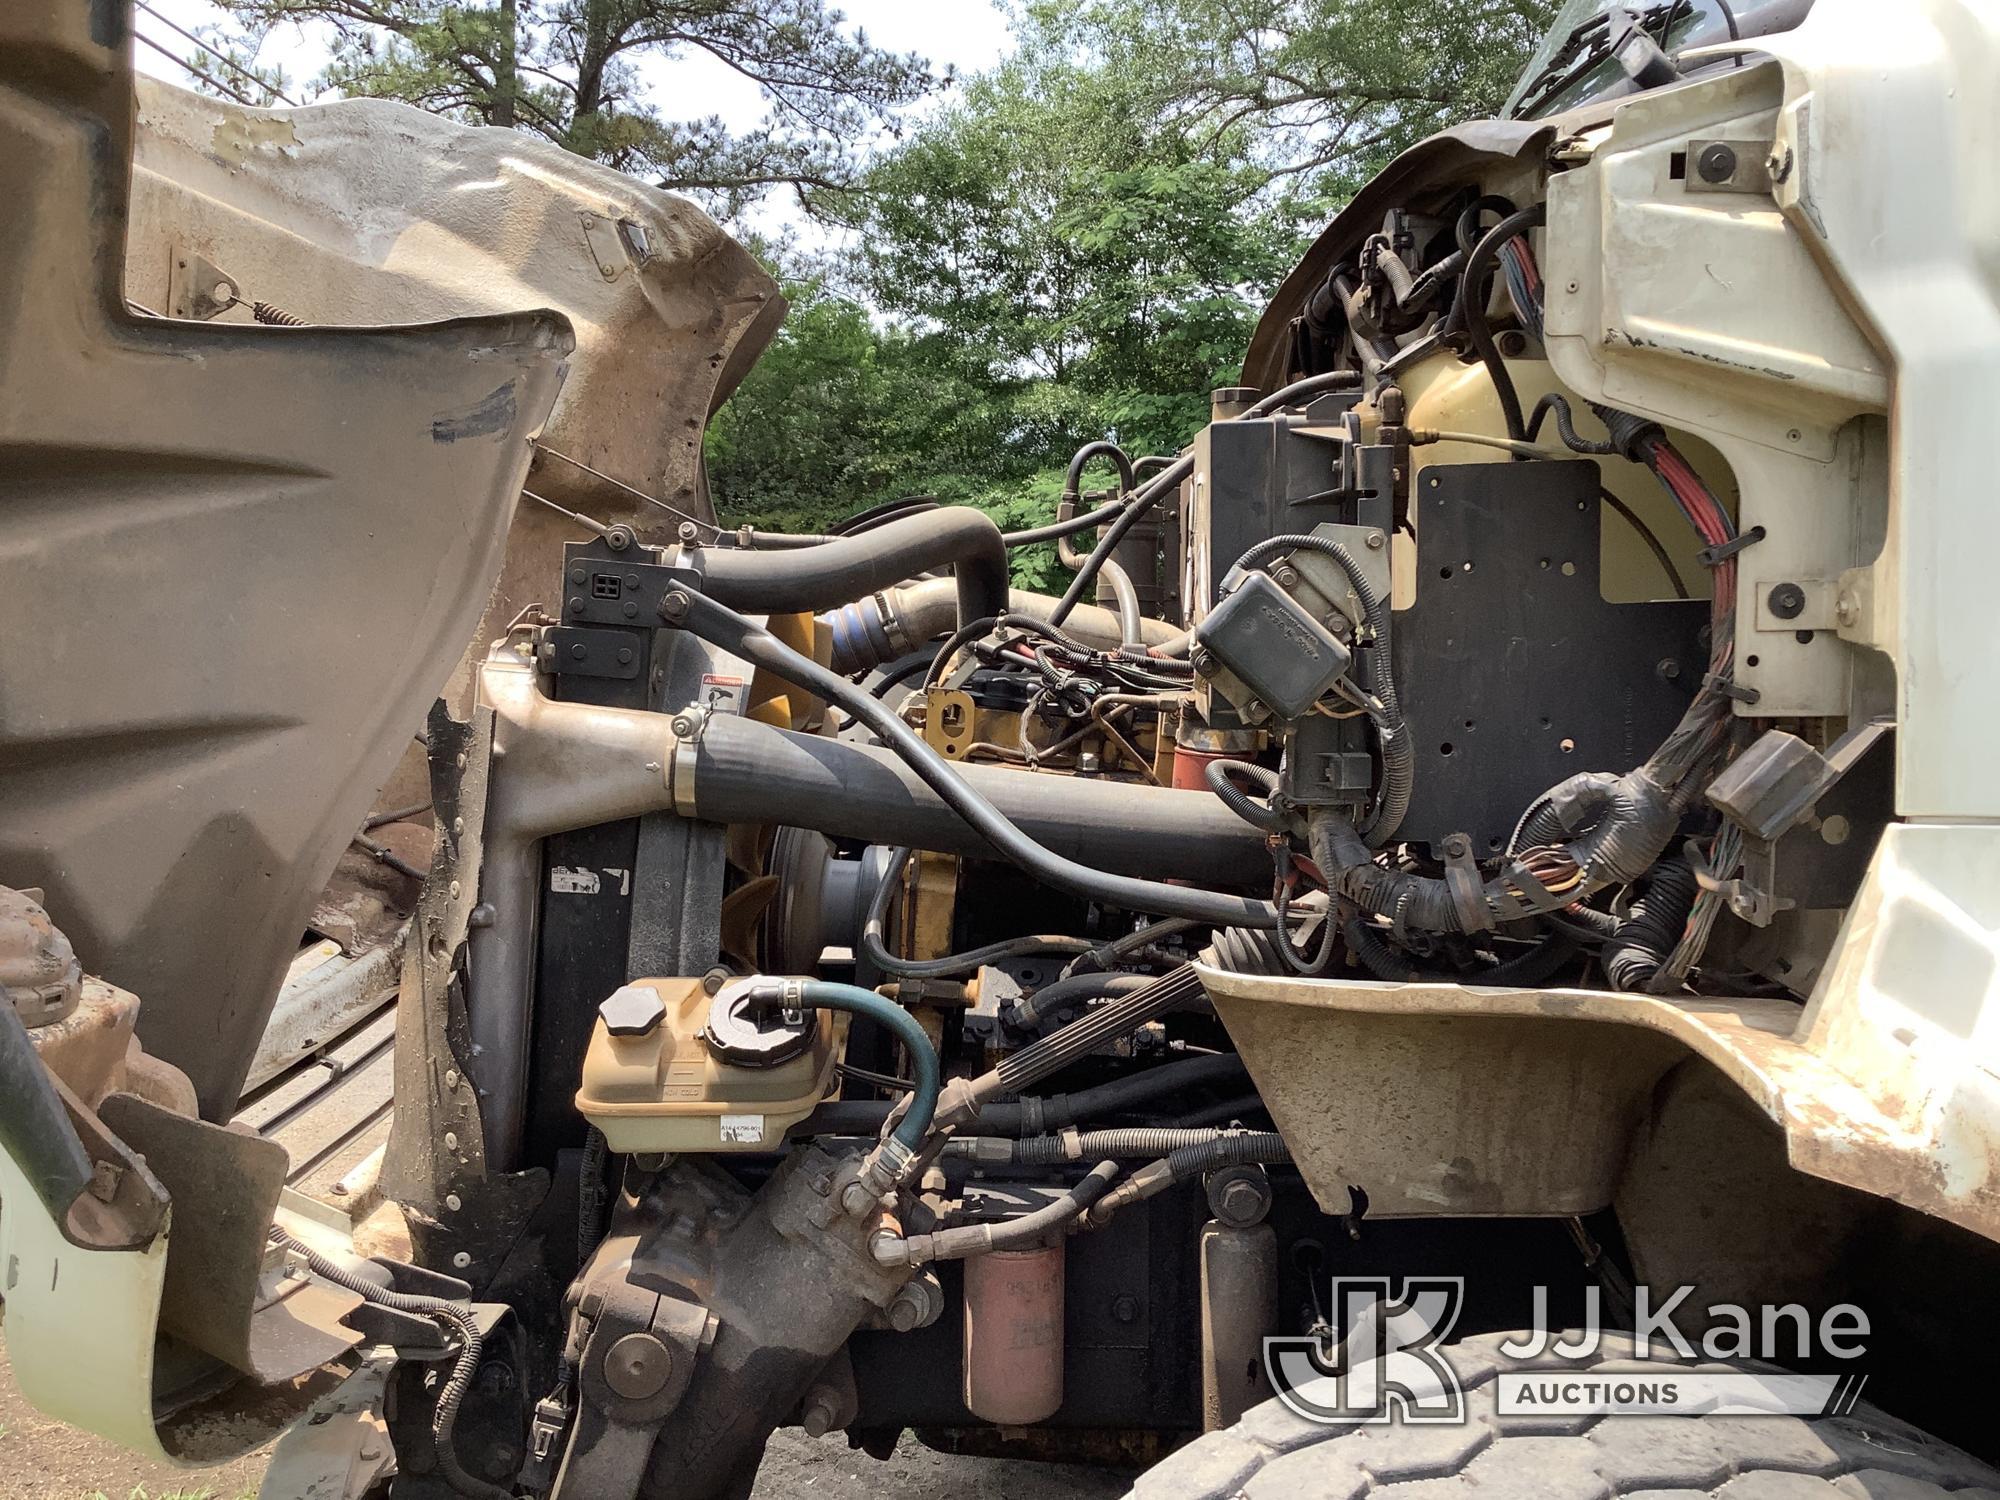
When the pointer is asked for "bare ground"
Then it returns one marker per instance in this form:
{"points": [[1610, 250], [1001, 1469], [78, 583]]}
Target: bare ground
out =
{"points": [[43, 1460]]}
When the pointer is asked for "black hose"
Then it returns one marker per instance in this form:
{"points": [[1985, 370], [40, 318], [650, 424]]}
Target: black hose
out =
{"points": [[1256, 814], [1170, 477], [1074, 989], [1019, 1071], [877, 951], [1555, 402], [1069, 526], [1659, 914], [722, 626], [1037, 1115], [1528, 968], [1229, 1149], [1472, 297], [1073, 480], [1052, 1150], [455, 1318], [982, 1239], [842, 570]]}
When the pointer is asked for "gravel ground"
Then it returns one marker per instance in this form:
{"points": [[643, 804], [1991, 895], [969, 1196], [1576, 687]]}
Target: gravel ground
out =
{"points": [[43, 1460]]}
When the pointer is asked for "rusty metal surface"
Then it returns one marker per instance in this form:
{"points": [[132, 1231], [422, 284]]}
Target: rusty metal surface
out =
{"points": [[225, 1294], [370, 211], [186, 510], [1439, 1099]]}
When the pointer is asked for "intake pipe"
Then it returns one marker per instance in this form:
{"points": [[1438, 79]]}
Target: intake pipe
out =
{"points": [[746, 772], [843, 569], [885, 625]]}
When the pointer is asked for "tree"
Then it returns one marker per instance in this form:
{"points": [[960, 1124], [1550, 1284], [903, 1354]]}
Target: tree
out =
{"points": [[565, 70], [1318, 92]]}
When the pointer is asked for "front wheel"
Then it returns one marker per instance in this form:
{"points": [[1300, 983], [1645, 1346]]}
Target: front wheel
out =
{"points": [[1275, 1454]]}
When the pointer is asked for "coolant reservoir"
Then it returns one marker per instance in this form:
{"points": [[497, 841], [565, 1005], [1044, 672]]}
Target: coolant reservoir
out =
{"points": [[672, 1068]]}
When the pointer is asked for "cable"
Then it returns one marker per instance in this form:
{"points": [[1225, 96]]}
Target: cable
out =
{"points": [[453, 1317], [1477, 265], [722, 626], [1217, 774]]}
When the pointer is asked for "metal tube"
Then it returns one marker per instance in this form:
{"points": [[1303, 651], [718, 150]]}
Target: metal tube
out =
{"points": [[1239, 1307]]}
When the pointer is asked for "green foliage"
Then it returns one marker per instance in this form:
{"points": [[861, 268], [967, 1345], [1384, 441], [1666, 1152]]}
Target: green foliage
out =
{"points": [[1078, 245], [565, 70]]}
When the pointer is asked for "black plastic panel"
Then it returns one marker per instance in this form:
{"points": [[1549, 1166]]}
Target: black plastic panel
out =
{"points": [[1515, 671]]}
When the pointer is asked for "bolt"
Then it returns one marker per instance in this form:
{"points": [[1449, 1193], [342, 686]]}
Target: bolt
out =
{"points": [[1787, 601], [1668, 669], [461, 1260], [620, 538], [1794, 435], [689, 533], [576, 606], [577, 574], [683, 724], [451, 1078], [451, 1140], [624, 656], [1205, 663], [1716, 164], [1847, 609], [1376, 541], [453, 1202], [674, 605], [630, 609], [713, 981], [637, 1366], [820, 1414], [1124, 1308], [1285, 576], [1779, 165], [1242, 1203], [1088, 763], [579, 651]]}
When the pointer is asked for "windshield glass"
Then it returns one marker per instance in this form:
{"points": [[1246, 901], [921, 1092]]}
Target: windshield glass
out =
{"points": [[1574, 65]]}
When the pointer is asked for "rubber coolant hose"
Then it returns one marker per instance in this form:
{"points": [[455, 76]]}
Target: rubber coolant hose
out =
{"points": [[822, 994], [846, 568]]}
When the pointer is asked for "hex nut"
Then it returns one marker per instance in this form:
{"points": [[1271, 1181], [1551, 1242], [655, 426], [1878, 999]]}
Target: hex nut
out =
{"points": [[632, 1010]]}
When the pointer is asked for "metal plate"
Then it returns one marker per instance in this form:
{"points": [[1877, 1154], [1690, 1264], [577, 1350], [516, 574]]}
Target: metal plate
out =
{"points": [[1515, 671]]}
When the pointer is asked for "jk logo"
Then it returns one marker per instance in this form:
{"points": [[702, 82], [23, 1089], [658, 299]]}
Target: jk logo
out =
{"points": [[1380, 1357]]}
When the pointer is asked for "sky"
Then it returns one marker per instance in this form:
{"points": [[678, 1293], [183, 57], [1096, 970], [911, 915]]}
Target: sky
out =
{"points": [[969, 35]]}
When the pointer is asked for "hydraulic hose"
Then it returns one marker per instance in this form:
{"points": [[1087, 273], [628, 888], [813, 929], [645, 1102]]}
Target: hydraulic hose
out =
{"points": [[1076, 989], [981, 1239], [821, 994], [1228, 1149], [1639, 948], [845, 568], [1052, 1150], [1037, 1115], [1398, 751], [455, 1318], [721, 626]]}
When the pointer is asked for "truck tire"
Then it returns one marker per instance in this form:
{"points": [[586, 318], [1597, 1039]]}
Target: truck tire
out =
{"points": [[1274, 1454]]}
